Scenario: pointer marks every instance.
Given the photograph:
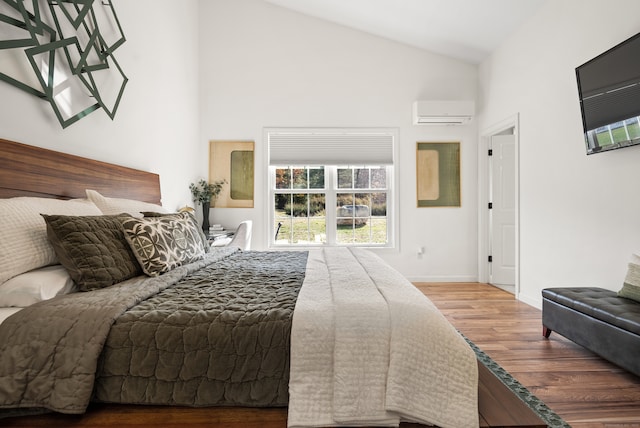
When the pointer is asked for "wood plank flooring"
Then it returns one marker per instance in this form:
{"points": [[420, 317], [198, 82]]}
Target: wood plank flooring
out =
{"points": [[583, 389]]}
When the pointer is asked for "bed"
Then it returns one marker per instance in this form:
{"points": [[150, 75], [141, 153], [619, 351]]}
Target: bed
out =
{"points": [[336, 335]]}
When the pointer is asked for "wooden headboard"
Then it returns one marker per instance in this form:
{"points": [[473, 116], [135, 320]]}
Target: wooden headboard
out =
{"points": [[34, 171]]}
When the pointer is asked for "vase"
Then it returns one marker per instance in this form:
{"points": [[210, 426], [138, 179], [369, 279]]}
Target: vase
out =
{"points": [[205, 216]]}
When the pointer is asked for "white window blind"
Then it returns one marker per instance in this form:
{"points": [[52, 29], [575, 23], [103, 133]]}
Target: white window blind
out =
{"points": [[330, 148]]}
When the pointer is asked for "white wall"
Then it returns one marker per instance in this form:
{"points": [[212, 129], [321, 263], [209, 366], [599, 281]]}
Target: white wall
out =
{"points": [[579, 214], [156, 126], [264, 66]]}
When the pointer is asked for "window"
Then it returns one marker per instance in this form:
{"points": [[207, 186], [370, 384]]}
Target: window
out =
{"points": [[314, 203], [299, 202], [361, 205]]}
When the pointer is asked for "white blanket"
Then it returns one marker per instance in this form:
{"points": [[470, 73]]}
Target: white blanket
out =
{"points": [[368, 348]]}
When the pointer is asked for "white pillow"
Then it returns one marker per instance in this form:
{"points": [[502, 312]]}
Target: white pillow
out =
{"points": [[111, 206], [24, 245], [35, 286], [7, 312]]}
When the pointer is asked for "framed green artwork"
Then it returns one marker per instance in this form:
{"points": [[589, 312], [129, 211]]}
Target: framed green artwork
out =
{"points": [[233, 161], [438, 174]]}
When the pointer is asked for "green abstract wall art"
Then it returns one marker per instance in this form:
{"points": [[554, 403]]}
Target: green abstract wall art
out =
{"points": [[233, 161], [438, 174], [63, 52]]}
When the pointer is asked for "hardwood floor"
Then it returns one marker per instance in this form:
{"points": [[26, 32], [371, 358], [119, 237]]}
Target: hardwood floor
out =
{"points": [[583, 389]]}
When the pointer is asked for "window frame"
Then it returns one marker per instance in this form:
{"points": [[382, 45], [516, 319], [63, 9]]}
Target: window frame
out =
{"points": [[331, 190]]}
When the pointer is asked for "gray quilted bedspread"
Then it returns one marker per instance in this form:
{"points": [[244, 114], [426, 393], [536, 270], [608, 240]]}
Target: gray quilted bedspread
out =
{"points": [[219, 337], [215, 332]]}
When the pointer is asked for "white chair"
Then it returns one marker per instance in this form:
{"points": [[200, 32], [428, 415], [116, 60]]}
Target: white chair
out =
{"points": [[242, 237]]}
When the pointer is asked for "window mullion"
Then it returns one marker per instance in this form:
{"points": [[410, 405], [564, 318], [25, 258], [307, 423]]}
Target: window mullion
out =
{"points": [[272, 204], [330, 185]]}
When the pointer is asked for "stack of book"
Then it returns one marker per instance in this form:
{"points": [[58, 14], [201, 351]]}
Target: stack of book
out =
{"points": [[216, 228]]}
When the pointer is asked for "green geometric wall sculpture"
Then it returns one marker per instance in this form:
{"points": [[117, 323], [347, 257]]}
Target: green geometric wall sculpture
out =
{"points": [[63, 51]]}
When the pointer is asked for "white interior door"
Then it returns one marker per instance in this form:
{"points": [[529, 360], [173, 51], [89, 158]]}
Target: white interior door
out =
{"points": [[502, 216]]}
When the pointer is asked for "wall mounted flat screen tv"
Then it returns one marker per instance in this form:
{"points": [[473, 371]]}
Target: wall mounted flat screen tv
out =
{"points": [[609, 89]]}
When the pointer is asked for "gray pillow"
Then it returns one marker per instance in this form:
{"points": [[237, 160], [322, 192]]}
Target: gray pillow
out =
{"points": [[93, 249], [163, 243]]}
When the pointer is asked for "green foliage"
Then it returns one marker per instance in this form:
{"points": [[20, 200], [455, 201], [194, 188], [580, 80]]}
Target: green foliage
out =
{"points": [[316, 208], [296, 210], [379, 209], [203, 192]]}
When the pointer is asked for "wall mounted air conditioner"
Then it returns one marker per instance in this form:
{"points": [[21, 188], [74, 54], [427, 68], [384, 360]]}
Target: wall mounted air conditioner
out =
{"points": [[442, 112]]}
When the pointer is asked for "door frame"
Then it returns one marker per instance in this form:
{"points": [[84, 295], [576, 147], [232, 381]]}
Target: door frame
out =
{"points": [[484, 238]]}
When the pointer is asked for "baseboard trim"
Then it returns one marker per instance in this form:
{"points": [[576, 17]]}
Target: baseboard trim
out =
{"points": [[442, 278], [536, 303]]}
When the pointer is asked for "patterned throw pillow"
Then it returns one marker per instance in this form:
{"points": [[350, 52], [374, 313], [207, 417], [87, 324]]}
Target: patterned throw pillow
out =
{"points": [[631, 287], [163, 243], [193, 220]]}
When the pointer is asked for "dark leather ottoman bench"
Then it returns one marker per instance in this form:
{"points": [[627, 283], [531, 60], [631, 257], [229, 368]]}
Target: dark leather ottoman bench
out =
{"points": [[597, 319]]}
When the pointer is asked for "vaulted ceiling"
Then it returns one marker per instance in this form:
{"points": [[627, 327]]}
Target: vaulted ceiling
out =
{"points": [[468, 30]]}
